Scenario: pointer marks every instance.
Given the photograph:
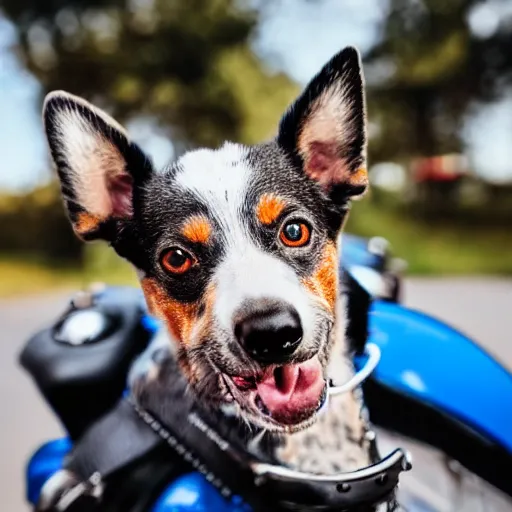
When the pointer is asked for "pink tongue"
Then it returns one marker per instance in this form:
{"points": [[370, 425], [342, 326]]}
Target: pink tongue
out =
{"points": [[292, 392]]}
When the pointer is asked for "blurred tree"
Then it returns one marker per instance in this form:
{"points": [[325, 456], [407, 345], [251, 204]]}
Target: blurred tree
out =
{"points": [[185, 63], [429, 67], [35, 224]]}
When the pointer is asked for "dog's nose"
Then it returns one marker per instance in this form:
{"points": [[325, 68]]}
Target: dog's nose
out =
{"points": [[270, 335]]}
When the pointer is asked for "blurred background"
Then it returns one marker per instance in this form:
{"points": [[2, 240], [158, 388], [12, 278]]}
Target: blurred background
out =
{"points": [[180, 74]]}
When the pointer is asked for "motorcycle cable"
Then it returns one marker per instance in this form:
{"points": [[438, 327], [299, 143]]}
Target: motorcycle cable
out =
{"points": [[374, 354]]}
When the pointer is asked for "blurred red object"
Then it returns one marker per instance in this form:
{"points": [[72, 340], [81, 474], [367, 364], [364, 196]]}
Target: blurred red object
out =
{"points": [[443, 168]]}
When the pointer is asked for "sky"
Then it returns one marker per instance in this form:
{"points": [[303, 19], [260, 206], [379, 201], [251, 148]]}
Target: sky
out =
{"points": [[284, 41]]}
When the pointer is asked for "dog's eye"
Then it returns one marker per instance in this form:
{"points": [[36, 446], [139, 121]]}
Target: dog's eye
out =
{"points": [[177, 260], [295, 234]]}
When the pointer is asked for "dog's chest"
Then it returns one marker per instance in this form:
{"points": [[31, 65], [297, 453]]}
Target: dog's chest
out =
{"points": [[336, 442]]}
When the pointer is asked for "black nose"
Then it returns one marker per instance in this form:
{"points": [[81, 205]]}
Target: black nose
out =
{"points": [[270, 335]]}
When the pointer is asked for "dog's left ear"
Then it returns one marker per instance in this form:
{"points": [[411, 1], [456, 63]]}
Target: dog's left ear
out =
{"points": [[325, 129], [101, 171]]}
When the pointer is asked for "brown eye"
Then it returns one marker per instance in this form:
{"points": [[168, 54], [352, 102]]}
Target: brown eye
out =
{"points": [[176, 260], [295, 234]]}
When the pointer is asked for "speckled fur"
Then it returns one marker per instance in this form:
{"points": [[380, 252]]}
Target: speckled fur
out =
{"points": [[336, 441]]}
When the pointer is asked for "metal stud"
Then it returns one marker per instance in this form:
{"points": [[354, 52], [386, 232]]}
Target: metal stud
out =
{"points": [[382, 479], [342, 488]]}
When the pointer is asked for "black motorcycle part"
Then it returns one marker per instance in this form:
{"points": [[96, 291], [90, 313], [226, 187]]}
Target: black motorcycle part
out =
{"points": [[358, 307], [413, 418], [136, 487], [83, 376]]}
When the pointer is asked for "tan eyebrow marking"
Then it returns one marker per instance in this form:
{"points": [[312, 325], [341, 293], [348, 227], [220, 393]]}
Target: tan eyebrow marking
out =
{"points": [[269, 208], [197, 229]]}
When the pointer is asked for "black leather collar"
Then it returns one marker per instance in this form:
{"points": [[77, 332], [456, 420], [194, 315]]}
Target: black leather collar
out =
{"points": [[235, 471], [211, 444], [217, 446]]}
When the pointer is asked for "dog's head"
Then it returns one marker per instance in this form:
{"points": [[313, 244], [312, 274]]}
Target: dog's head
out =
{"points": [[236, 247]]}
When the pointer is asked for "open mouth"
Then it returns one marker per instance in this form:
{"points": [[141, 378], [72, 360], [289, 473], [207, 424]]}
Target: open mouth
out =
{"points": [[288, 394]]}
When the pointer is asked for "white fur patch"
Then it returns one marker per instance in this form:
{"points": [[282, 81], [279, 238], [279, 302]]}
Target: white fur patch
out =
{"points": [[220, 179], [248, 273]]}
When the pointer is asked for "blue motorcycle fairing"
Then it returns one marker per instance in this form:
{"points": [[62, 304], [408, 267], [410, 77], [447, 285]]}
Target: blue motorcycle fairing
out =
{"points": [[189, 493], [421, 357], [436, 364], [354, 252], [45, 462], [193, 493]]}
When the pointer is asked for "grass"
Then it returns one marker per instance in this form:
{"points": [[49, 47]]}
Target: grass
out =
{"points": [[439, 248], [21, 275], [18, 277]]}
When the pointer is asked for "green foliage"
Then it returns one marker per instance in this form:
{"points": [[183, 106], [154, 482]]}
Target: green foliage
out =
{"points": [[35, 224], [435, 246], [21, 274], [437, 68], [187, 64]]}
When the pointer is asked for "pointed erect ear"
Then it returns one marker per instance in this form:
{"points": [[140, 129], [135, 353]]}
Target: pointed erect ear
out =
{"points": [[99, 168], [324, 130]]}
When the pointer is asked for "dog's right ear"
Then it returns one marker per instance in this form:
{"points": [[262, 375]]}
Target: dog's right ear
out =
{"points": [[324, 130], [99, 168]]}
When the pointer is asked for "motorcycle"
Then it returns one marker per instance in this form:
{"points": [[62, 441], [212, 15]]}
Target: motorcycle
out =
{"points": [[436, 392], [434, 389]]}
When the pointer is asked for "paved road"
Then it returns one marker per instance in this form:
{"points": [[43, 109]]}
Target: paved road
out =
{"points": [[482, 308]]}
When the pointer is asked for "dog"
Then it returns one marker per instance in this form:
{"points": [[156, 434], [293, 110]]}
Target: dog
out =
{"points": [[236, 249]]}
